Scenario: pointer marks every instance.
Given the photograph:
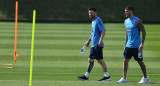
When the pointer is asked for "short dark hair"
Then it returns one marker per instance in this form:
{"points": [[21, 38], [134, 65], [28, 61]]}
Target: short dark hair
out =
{"points": [[92, 8], [130, 8]]}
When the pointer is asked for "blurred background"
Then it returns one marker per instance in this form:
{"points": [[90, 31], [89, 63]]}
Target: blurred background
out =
{"points": [[77, 10]]}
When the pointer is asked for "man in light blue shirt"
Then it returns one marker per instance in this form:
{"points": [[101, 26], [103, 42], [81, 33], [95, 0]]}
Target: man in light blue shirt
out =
{"points": [[97, 35], [97, 28], [134, 45]]}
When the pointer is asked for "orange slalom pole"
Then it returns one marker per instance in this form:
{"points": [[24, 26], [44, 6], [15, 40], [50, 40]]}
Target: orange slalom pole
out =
{"points": [[16, 22]]}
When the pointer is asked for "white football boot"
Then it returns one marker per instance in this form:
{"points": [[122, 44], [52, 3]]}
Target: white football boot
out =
{"points": [[144, 80], [122, 80]]}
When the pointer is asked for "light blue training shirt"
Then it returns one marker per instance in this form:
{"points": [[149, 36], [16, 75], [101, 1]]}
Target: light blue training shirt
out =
{"points": [[133, 33], [97, 28]]}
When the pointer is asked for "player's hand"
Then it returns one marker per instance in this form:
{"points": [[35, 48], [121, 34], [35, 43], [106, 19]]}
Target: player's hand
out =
{"points": [[141, 46], [86, 44], [100, 44]]}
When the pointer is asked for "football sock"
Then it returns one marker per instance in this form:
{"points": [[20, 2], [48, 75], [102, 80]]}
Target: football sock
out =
{"points": [[90, 66], [106, 74], [87, 74]]}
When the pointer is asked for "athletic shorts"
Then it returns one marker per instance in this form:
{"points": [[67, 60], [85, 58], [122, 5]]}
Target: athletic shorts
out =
{"points": [[96, 53], [135, 52]]}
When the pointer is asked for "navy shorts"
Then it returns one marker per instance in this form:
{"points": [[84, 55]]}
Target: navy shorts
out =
{"points": [[129, 52], [96, 53]]}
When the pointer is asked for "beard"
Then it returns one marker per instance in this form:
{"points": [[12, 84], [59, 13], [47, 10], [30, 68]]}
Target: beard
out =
{"points": [[127, 16], [91, 17]]}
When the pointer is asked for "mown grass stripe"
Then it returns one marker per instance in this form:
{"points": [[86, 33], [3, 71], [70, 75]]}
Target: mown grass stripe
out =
{"points": [[67, 46]]}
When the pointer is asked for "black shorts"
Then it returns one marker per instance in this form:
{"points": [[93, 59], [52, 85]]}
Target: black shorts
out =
{"points": [[129, 52], [96, 53]]}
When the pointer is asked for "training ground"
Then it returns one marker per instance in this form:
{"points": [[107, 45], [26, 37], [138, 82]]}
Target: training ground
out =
{"points": [[57, 58]]}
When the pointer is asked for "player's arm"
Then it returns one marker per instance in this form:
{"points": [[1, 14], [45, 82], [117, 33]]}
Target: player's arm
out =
{"points": [[126, 37], [88, 42], [142, 29], [101, 38]]}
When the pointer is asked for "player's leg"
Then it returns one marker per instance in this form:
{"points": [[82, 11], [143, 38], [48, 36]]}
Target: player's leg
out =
{"points": [[127, 56], [104, 67], [138, 56], [125, 67], [143, 68], [99, 57], [90, 66], [144, 79]]}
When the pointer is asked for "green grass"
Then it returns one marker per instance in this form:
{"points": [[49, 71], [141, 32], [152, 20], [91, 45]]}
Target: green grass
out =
{"points": [[57, 58]]}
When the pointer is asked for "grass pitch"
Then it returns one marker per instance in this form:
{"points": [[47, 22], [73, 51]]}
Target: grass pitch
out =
{"points": [[57, 58]]}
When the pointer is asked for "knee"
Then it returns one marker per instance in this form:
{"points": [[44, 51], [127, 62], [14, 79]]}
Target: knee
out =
{"points": [[142, 64], [91, 60], [126, 61], [99, 61]]}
